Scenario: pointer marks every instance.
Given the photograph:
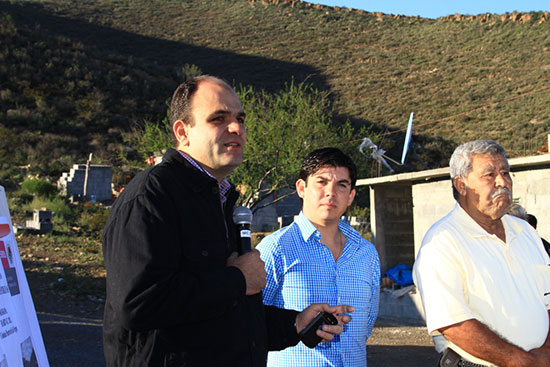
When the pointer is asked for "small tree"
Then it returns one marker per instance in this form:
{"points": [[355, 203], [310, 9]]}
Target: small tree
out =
{"points": [[152, 138], [282, 128]]}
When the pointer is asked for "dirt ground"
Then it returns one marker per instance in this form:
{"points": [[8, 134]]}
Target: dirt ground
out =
{"points": [[72, 334]]}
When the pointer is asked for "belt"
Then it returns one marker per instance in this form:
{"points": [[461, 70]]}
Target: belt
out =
{"points": [[450, 358], [464, 363]]}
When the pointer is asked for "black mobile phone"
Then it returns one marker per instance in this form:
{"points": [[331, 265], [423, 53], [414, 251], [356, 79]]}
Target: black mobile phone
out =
{"points": [[309, 334]]}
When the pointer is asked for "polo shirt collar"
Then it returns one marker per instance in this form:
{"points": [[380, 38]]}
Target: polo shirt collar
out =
{"points": [[468, 223], [471, 227]]}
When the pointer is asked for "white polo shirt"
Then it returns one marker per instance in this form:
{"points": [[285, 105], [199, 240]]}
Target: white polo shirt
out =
{"points": [[462, 272]]}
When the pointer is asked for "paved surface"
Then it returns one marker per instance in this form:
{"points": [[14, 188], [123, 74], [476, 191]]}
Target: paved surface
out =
{"points": [[398, 342], [72, 341], [404, 355]]}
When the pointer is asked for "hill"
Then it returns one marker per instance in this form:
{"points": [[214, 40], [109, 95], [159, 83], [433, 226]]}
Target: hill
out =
{"points": [[75, 74]]}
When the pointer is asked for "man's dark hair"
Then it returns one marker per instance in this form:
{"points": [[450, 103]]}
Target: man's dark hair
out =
{"points": [[328, 157], [180, 107]]}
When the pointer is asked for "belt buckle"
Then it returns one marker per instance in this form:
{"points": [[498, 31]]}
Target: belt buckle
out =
{"points": [[450, 359]]}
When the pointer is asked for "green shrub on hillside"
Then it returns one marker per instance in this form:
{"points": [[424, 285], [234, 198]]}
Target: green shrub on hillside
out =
{"points": [[97, 222], [150, 138], [189, 71], [38, 187], [59, 206]]}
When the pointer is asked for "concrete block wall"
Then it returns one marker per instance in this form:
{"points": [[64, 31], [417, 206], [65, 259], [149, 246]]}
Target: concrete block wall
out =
{"points": [[392, 225], [532, 191], [267, 219], [99, 182], [42, 221], [290, 205], [431, 202]]}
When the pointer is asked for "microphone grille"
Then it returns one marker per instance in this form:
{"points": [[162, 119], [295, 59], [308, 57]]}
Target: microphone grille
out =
{"points": [[242, 215]]}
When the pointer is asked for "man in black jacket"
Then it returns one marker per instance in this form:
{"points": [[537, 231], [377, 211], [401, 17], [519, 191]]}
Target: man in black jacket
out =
{"points": [[177, 292]]}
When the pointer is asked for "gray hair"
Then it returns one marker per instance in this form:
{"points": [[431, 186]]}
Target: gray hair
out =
{"points": [[461, 160], [517, 211]]}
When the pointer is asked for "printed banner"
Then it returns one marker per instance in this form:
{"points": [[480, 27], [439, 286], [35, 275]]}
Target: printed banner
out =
{"points": [[21, 343]]}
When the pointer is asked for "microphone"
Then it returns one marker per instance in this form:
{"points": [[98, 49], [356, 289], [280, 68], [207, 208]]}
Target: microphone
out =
{"points": [[242, 217]]}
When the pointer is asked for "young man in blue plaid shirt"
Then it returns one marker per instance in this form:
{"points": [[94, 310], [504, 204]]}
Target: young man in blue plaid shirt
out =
{"points": [[320, 258]]}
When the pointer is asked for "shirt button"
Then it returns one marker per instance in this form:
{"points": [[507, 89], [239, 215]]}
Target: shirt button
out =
{"points": [[204, 253], [339, 299], [214, 190]]}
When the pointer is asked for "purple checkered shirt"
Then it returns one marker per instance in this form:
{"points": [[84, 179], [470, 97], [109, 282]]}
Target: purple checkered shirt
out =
{"points": [[224, 185]]}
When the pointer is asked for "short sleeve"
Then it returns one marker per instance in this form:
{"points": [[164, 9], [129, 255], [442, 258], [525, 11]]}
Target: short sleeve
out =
{"points": [[439, 277]]}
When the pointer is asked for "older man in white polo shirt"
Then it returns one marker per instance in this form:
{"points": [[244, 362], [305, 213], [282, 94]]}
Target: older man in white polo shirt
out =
{"points": [[483, 276]]}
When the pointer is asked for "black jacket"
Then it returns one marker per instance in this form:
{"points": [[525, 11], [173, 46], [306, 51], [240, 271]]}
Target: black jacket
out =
{"points": [[171, 299]]}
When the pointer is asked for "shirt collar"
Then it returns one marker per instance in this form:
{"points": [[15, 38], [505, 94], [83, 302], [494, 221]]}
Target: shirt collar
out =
{"points": [[223, 185], [307, 229], [351, 234], [468, 223], [475, 230]]}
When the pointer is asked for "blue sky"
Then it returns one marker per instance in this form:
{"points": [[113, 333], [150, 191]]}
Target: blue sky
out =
{"points": [[440, 8]]}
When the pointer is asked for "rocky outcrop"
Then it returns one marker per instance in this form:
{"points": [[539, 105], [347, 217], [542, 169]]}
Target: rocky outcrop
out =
{"points": [[482, 18], [508, 17]]}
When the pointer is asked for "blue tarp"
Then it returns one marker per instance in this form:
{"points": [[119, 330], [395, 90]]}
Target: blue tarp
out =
{"points": [[401, 274]]}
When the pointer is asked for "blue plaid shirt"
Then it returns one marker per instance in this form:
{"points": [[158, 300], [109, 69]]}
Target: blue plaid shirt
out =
{"points": [[301, 271]]}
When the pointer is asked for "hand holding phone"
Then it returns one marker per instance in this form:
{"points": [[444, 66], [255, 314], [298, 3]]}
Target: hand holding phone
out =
{"points": [[309, 336]]}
